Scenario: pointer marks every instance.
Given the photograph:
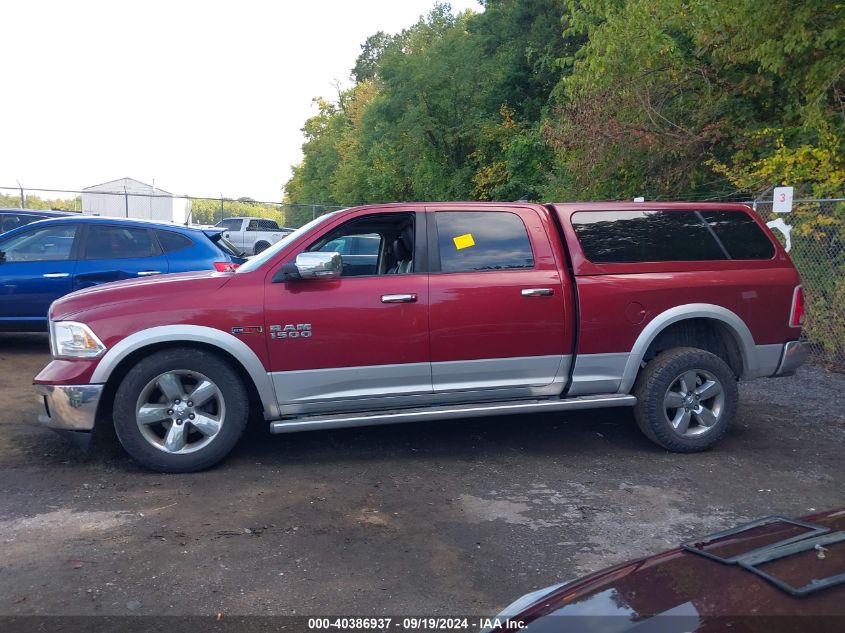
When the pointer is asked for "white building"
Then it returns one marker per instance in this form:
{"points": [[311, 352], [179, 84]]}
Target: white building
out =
{"points": [[130, 198]]}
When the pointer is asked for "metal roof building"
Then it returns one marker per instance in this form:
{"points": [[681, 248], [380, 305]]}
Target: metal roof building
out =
{"points": [[130, 198]]}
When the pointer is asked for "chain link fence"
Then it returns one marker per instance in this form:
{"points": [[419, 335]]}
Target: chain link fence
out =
{"points": [[144, 202], [814, 234]]}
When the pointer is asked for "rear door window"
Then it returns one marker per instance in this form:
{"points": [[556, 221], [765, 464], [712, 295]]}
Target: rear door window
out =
{"points": [[118, 242], [172, 242], [482, 240]]}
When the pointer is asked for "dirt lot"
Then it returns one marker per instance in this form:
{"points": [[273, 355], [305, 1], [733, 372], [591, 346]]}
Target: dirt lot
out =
{"points": [[436, 518]]}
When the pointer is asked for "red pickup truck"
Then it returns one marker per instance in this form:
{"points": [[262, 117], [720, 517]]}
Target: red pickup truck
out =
{"points": [[416, 311]]}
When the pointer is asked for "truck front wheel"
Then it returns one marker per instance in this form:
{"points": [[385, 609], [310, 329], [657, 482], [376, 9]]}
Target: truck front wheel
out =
{"points": [[686, 399], [180, 410]]}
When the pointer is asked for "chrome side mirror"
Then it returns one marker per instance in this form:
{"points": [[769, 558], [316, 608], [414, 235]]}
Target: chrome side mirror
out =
{"points": [[318, 265]]}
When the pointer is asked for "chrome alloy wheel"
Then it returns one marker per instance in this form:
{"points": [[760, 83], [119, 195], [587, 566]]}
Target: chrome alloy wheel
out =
{"points": [[694, 402], [180, 411]]}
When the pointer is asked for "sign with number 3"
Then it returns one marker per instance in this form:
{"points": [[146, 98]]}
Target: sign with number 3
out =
{"points": [[782, 201]]}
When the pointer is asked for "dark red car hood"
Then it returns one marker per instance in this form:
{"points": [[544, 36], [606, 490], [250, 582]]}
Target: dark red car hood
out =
{"points": [[133, 289], [683, 591]]}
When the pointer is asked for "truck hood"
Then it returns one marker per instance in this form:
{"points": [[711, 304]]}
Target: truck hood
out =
{"points": [[102, 295], [695, 591]]}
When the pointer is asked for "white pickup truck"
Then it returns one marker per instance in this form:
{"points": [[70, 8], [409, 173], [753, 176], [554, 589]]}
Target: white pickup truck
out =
{"points": [[252, 235]]}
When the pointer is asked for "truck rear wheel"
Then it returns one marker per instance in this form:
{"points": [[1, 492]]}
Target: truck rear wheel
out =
{"points": [[686, 399], [260, 246], [180, 410]]}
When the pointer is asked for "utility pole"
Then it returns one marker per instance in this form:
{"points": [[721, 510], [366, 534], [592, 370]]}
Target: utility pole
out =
{"points": [[125, 201], [23, 199]]}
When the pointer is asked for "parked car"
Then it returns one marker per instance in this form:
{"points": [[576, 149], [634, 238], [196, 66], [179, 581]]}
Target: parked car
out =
{"points": [[252, 235], [472, 309], [773, 574], [13, 218], [45, 260]]}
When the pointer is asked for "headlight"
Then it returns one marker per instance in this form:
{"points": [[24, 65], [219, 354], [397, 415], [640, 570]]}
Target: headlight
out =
{"points": [[69, 339]]}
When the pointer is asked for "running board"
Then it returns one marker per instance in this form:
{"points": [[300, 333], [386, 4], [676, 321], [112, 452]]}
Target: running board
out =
{"points": [[313, 422]]}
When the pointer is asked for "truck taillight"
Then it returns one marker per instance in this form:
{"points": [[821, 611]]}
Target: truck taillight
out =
{"points": [[225, 267], [796, 315]]}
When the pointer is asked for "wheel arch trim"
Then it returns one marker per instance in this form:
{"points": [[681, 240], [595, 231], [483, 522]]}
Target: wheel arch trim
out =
{"points": [[736, 326], [176, 334]]}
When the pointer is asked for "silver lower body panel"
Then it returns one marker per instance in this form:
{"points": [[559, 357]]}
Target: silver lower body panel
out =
{"points": [[308, 423], [793, 356]]}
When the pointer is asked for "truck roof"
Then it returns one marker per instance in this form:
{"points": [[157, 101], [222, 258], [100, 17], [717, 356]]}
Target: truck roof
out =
{"points": [[593, 205]]}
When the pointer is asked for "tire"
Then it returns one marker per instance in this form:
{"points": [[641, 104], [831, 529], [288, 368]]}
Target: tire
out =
{"points": [[678, 416], [147, 406], [260, 246]]}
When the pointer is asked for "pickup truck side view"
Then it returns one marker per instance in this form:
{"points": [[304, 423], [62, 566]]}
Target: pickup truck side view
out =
{"points": [[470, 309], [252, 235]]}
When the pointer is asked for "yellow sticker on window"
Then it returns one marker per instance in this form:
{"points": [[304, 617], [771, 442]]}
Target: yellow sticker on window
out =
{"points": [[463, 241]]}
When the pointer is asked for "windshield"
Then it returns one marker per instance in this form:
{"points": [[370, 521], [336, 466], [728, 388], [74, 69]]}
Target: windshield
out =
{"points": [[255, 262]]}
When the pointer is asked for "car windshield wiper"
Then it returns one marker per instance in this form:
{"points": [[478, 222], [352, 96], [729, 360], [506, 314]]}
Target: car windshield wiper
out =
{"points": [[812, 537]]}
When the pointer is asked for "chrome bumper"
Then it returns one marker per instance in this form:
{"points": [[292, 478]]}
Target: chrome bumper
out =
{"points": [[793, 356], [68, 407]]}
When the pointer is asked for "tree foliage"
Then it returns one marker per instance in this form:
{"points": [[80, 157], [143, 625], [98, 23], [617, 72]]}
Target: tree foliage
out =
{"points": [[10, 201], [208, 211], [587, 99]]}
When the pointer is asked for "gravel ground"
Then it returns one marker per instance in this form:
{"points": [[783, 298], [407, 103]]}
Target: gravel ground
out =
{"points": [[435, 518]]}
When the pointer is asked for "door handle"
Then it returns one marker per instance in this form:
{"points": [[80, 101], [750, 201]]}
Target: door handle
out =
{"points": [[55, 275], [537, 292], [147, 273], [409, 298]]}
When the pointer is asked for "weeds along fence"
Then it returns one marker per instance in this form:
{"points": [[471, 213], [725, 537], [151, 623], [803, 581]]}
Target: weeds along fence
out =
{"points": [[814, 234]]}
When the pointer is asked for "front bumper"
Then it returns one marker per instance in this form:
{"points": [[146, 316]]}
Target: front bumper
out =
{"points": [[68, 407], [793, 356]]}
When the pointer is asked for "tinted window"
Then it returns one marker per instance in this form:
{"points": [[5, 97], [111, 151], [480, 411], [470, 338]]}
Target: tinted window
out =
{"points": [[482, 241], [118, 242], [14, 220], [645, 236], [741, 236], [172, 242], [45, 244], [262, 225]]}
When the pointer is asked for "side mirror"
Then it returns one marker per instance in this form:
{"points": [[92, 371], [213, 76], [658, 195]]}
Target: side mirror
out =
{"points": [[319, 265]]}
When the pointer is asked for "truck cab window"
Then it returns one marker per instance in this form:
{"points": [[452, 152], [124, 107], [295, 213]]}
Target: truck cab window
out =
{"points": [[482, 240], [373, 245]]}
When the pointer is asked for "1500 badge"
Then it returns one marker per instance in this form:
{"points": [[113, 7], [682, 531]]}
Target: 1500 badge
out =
{"points": [[300, 330]]}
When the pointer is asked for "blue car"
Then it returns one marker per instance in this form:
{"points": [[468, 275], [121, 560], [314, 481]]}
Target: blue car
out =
{"points": [[46, 259], [13, 218]]}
